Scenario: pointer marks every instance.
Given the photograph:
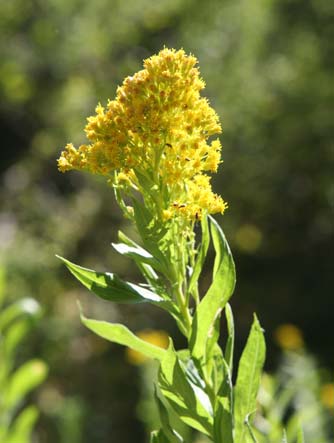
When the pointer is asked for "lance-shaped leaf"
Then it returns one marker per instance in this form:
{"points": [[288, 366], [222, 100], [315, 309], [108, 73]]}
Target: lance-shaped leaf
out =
{"points": [[172, 435], [138, 254], [120, 334], [248, 382], [24, 306], [229, 349], [300, 435], [223, 417], [20, 430], [216, 297], [146, 270], [24, 379], [110, 287], [223, 426], [183, 398], [10, 341]]}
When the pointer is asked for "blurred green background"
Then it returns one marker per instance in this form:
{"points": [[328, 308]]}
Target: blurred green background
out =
{"points": [[268, 65]]}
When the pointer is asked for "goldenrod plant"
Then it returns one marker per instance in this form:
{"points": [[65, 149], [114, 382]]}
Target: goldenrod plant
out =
{"points": [[17, 419], [155, 144]]}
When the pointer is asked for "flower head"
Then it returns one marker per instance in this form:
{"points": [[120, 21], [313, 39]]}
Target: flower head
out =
{"points": [[157, 127]]}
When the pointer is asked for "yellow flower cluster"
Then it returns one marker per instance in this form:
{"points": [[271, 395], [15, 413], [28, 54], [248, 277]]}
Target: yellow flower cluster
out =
{"points": [[198, 197], [158, 126]]}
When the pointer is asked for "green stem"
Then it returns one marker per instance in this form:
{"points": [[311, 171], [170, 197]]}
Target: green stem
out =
{"points": [[181, 302]]}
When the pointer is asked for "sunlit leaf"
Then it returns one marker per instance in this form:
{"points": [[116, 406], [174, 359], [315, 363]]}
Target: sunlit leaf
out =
{"points": [[229, 349], [169, 432], [120, 334], [300, 435], [284, 438], [23, 380], [146, 269], [149, 232], [24, 306], [14, 334], [110, 287], [181, 395], [223, 417], [138, 254], [248, 382], [20, 431], [223, 425], [218, 294]]}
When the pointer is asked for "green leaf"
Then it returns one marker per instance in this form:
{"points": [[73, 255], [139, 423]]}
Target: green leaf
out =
{"points": [[24, 379], [221, 289], [223, 425], [24, 306], [149, 273], [158, 437], [110, 287], [169, 432], [205, 241], [20, 431], [149, 232], [138, 254], [300, 435], [182, 396], [229, 349], [120, 334], [146, 270], [197, 384], [248, 382], [284, 437], [224, 420], [13, 336]]}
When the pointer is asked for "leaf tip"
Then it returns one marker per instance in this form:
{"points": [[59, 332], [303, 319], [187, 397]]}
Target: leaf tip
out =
{"points": [[170, 345], [257, 322], [64, 260]]}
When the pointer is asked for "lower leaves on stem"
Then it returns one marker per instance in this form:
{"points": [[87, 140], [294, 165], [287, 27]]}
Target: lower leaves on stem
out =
{"points": [[196, 383]]}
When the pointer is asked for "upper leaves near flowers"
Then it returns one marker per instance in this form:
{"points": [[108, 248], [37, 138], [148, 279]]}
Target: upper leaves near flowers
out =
{"points": [[110, 287], [204, 336], [153, 138]]}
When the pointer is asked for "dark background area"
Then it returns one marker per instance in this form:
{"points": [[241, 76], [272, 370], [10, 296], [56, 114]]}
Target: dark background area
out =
{"points": [[268, 66]]}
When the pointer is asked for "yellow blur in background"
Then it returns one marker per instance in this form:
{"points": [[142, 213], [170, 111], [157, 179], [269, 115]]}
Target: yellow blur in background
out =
{"points": [[289, 337], [155, 337]]}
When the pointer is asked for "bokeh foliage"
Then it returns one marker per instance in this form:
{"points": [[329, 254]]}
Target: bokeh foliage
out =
{"points": [[268, 67]]}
